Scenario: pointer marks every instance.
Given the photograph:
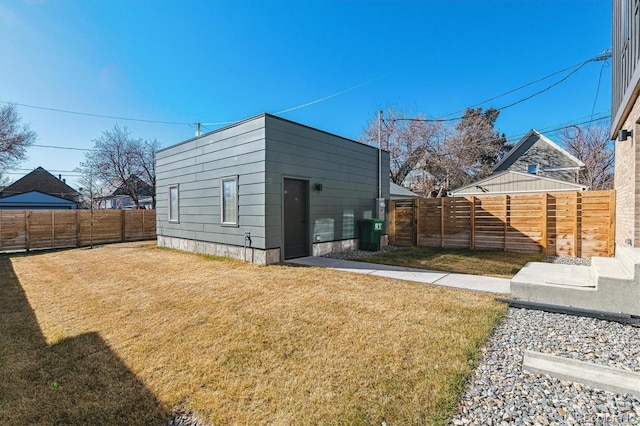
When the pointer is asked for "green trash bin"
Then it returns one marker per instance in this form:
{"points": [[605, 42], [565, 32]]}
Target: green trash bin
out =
{"points": [[370, 234]]}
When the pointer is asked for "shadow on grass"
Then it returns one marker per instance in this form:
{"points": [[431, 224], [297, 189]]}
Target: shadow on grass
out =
{"points": [[77, 380]]}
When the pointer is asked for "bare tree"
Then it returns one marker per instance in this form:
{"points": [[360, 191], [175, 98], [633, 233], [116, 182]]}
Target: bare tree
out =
{"points": [[405, 139], [119, 160], [145, 159], [15, 138], [435, 157], [593, 147], [90, 187]]}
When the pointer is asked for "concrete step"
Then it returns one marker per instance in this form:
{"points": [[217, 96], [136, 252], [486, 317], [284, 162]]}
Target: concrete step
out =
{"points": [[629, 257], [544, 274], [605, 286], [609, 270]]}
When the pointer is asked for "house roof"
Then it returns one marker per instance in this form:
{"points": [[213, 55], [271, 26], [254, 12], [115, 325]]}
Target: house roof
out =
{"points": [[510, 182], [397, 191], [35, 199], [270, 116], [42, 181], [527, 142], [143, 189]]}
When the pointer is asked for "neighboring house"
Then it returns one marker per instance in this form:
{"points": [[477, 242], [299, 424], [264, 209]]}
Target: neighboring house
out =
{"points": [[39, 189], [267, 189], [35, 200], [538, 155], [625, 123], [398, 192], [117, 197], [509, 182], [534, 164]]}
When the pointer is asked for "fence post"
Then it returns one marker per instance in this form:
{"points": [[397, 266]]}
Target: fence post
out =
{"points": [[543, 223], [27, 229], [611, 247], [472, 223], [123, 233], [506, 219], [416, 221], [78, 228], [577, 237], [0, 230], [442, 222], [392, 223]]}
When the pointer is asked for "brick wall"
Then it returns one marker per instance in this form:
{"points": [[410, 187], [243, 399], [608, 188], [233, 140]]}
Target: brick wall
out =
{"points": [[627, 183]]}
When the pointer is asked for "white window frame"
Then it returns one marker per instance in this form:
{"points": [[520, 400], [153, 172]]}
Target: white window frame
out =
{"points": [[226, 221], [174, 216]]}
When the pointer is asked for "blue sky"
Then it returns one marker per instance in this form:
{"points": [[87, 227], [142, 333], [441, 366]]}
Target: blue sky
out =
{"points": [[211, 61]]}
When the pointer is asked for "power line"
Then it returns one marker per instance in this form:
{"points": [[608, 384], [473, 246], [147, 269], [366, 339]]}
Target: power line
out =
{"points": [[64, 111], [51, 171], [597, 88], [313, 102], [601, 57], [333, 95], [61, 147]]}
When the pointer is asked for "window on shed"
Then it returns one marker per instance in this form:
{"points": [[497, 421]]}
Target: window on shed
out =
{"points": [[173, 204], [229, 200], [533, 169]]}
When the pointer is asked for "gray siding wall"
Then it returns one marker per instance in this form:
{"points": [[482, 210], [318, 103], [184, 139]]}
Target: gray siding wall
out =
{"points": [[197, 166], [535, 151], [347, 171]]}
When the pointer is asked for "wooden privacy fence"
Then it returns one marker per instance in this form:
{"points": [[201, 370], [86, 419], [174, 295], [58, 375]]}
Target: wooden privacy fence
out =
{"points": [[44, 229], [579, 224]]}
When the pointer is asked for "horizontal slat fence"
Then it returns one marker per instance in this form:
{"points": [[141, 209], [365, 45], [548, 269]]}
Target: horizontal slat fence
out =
{"points": [[44, 229], [578, 224]]}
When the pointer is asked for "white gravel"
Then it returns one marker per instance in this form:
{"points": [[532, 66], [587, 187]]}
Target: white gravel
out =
{"points": [[499, 392]]}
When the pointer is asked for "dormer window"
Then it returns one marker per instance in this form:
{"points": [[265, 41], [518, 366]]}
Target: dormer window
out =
{"points": [[533, 169]]}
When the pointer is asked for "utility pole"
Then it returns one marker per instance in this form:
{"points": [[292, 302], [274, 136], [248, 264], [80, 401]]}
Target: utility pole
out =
{"points": [[379, 155], [380, 202]]}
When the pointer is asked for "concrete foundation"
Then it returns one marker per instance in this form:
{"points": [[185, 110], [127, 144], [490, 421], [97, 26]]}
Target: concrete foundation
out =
{"points": [[254, 255], [248, 254]]}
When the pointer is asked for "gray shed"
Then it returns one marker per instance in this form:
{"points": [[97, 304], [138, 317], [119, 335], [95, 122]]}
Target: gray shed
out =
{"points": [[267, 189]]}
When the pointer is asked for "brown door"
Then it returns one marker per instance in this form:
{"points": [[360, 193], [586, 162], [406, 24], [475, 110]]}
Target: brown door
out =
{"points": [[296, 241]]}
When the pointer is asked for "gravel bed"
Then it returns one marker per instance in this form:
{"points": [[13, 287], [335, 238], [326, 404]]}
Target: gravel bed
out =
{"points": [[499, 392], [568, 260]]}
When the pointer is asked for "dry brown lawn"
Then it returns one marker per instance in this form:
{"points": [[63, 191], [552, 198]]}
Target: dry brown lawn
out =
{"points": [[462, 261], [124, 334]]}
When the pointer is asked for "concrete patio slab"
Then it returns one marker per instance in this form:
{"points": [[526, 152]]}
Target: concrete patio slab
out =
{"points": [[476, 282], [424, 276]]}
